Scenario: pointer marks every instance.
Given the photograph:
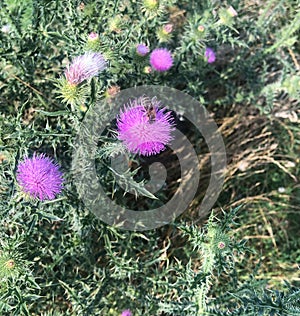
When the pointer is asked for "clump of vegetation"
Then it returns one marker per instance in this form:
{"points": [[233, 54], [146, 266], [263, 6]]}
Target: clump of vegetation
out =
{"points": [[64, 61]]}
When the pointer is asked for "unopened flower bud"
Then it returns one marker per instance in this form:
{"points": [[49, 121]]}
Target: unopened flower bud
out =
{"points": [[147, 70], [112, 91], [232, 11], [221, 245], [10, 264], [201, 28], [164, 33], [168, 28], [142, 49], [114, 24], [93, 36], [151, 4]]}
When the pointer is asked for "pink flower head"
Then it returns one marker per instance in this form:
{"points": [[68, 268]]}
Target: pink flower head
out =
{"points": [[161, 59], [210, 55], [126, 312], [142, 49], [39, 177], [93, 36], [142, 132], [85, 67]]}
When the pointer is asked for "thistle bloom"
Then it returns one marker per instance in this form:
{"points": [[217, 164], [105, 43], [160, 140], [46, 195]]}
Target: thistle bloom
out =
{"points": [[39, 177], [161, 59], [85, 67], [210, 55], [142, 49], [144, 134], [126, 312]]}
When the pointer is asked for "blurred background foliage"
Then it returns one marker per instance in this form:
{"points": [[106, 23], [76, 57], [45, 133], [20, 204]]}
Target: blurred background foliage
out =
{"points": [[56, 258]]}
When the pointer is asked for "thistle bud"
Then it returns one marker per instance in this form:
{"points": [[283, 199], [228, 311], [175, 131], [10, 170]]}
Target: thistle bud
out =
{"points": [[164, 33], [226, 16], [142, 50], [114, 24], [112, 91], [69, 93], [221, 245], [93, 36], [168, 28], [93, 42], [232, 11], [153, 8], [201, 28], [8, 266], [147, 70], [83, 108], [201, 32], [151, 4]]}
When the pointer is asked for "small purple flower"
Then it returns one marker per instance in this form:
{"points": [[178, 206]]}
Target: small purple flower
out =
{"points": [[142, 49], [161, 59], [210, 55], [144, 134], [85, 67], [126, 312], [39, 177]]}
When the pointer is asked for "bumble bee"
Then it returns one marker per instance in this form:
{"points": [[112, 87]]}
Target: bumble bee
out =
{"points": [[150, 110]]}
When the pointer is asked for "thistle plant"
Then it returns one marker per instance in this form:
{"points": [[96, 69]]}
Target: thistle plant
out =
{"points": [[66, 63]]}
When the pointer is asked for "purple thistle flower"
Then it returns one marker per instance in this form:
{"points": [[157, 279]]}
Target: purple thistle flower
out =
{"points": [[39, 177], [142, 49], [161, 59], [85, 67], [142, 135], [126, 312], [210, 55]]}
